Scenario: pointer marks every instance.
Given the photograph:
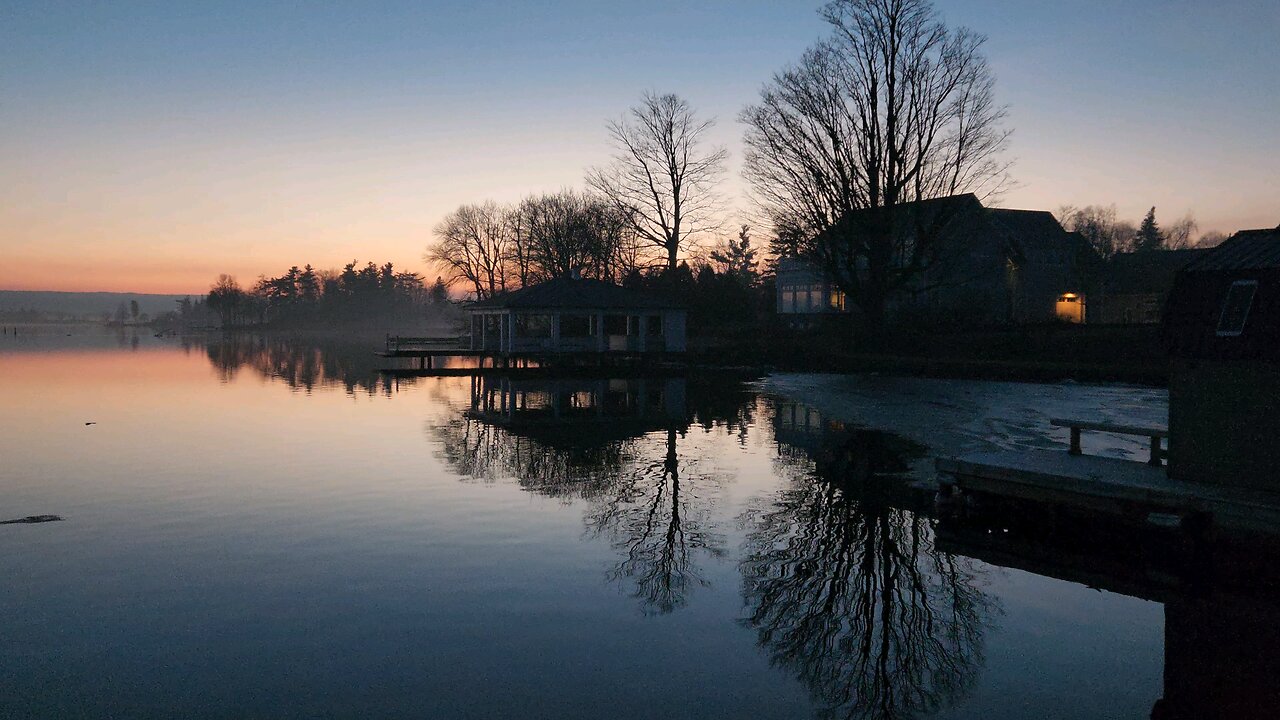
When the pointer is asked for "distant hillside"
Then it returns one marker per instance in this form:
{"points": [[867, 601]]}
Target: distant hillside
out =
{"points": [[82, 304]]}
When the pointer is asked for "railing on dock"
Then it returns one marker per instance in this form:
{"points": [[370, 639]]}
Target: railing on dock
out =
{"points": [[1156, 435], [398, 343]]}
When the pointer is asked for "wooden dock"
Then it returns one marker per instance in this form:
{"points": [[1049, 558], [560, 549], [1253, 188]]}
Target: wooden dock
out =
{"points": [[1125, 490], [426, 353]]}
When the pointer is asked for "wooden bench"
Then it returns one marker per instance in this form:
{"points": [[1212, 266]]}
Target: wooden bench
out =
{"points": [[1157, 435]]}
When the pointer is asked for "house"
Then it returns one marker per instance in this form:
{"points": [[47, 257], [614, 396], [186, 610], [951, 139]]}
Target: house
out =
{"points": [[576, 315], [804, 291], [1133, 286], [991, 265], [1222, 328]]}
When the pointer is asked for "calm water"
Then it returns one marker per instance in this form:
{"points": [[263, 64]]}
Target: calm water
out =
{"points": [[258, 529]]}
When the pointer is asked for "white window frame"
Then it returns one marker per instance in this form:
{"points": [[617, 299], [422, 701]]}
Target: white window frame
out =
{"points": [[1226, 303]]}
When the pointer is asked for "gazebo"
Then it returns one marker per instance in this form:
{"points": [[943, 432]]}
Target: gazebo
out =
{"points": [[574, 315]]}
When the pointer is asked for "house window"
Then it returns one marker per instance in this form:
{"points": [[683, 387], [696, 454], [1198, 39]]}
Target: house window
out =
{"points": [[533, 326], [1235, 310], [615, 324], [576, 326], [815, 298], [788, 300], [655, 325]]}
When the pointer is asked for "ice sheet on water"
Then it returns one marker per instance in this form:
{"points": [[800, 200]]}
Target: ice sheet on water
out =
{"points": [[956, 417]]}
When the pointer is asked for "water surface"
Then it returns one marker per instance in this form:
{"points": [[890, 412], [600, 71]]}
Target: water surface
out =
{"points": [[263, 528]]}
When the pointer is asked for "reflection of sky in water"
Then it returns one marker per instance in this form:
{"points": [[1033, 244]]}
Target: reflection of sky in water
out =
{"points": [[277, 532]]}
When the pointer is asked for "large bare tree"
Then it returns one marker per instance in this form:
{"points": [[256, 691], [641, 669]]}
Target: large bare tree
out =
{"points": [[560, 233], [472, 246], [663, 173], [893, 108]]}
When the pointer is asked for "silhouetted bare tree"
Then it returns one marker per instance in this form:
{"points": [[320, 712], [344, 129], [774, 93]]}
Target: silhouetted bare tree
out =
{"points": [[663, 175], [1179, 235], [559, 233], [473, 246], [893, 108], [1100, 227]]}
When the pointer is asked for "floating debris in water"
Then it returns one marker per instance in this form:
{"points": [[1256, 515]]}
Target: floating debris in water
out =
{"points": [[32, 519]]}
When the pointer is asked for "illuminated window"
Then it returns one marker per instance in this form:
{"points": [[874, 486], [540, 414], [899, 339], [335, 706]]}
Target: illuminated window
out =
{"points": [[1235, 309]]}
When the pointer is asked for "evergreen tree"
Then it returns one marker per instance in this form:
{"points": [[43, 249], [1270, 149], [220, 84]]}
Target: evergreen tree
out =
{"points": [[1149, 235], [737, 259], [439, 291]]}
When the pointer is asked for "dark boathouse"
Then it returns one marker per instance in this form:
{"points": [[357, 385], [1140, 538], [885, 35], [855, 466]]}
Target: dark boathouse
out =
{"points": [[574, 315], [1222, 327]]}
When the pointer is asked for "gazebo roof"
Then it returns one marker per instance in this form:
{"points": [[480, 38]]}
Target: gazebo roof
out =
{"points": [[568, 293]]}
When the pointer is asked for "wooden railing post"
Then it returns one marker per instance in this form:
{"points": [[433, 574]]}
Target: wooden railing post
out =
{"points": [[1075, 442], [1156, 451]]}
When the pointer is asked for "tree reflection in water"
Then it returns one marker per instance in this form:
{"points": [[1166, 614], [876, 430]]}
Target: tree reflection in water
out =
{"points": [[622, 447], [301, 365], [658, 528], [846, 588]]}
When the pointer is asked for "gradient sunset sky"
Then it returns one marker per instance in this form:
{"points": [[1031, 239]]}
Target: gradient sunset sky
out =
{"points": [[150, 146]]}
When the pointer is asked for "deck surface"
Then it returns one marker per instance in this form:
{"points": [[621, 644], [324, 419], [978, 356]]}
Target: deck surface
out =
{"points": [[1109, 485]]}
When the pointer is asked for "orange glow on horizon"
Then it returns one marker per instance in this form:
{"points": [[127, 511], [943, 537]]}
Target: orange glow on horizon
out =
{"points": [[162, 277]]}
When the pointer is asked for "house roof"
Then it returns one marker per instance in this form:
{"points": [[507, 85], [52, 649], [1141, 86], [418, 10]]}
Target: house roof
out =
{"points": [[1246, 250], [568, 293], [1194, 314], [1023, 232], [1034, 231]]}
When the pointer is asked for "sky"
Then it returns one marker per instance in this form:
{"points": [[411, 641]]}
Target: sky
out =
{"points": [[150, 146]]}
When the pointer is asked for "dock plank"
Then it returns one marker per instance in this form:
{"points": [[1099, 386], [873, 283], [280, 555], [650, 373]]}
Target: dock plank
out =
{"points": [[1109, 485]]}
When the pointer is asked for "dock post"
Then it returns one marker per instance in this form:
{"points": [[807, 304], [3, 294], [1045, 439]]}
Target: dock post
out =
{"points": [[1075, 442], [1155, 452]]}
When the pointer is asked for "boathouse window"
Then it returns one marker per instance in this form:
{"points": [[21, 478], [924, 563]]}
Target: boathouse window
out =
{"points": [[533, 326], [1235, 309], [576, 326], [615, 324]]}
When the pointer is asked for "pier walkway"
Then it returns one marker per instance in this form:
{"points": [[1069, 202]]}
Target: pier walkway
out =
{"points": [[1122, 489]]}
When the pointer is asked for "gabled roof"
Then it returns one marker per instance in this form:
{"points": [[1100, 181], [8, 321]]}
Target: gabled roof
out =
{"points": [[1194, 314], [1040, 224], [1246, 250], [1023, 232], [568, 293]]}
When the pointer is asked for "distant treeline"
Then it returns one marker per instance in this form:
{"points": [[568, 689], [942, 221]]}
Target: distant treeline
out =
{"points": [[309, 297]]}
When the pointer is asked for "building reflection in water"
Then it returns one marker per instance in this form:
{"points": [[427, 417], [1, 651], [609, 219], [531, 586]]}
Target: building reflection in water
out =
{"points": [[1221, 603], [844, 584], [617, 445]]}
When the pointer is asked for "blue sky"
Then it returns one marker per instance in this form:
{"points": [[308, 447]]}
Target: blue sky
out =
{"points": [[157, 144]]}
